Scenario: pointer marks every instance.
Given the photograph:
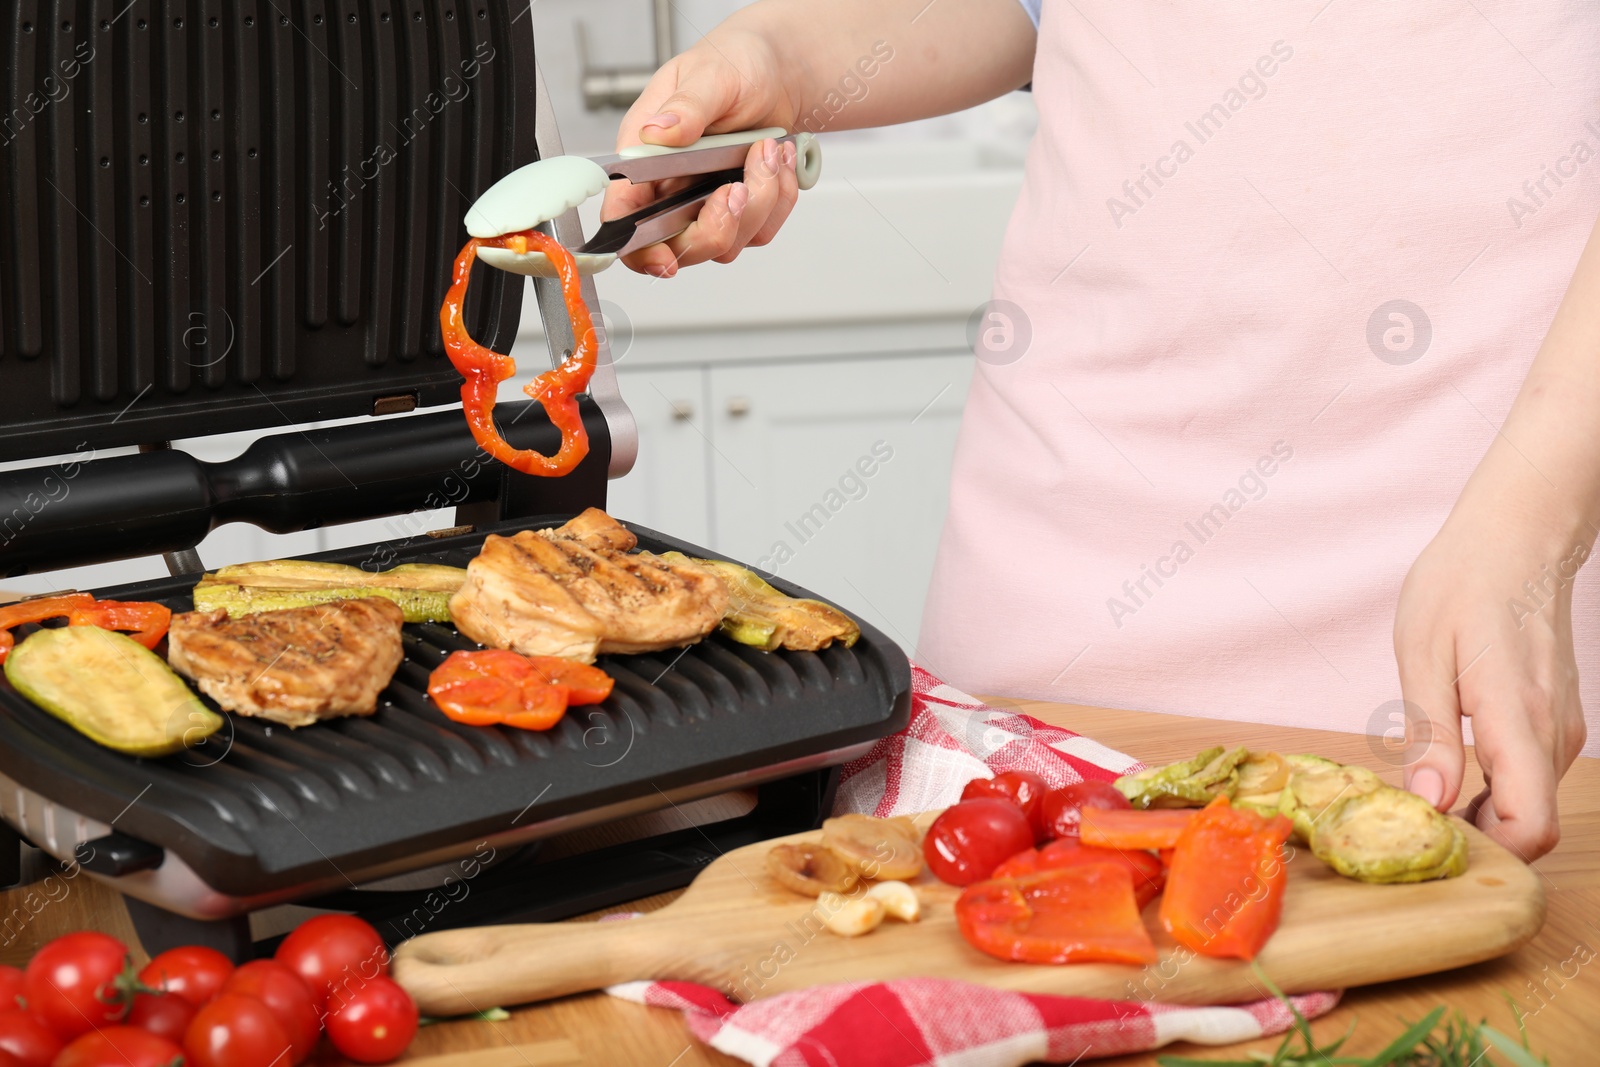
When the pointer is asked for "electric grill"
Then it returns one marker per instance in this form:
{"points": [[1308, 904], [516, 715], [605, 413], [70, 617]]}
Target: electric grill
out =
{"points": [[240, 215]]}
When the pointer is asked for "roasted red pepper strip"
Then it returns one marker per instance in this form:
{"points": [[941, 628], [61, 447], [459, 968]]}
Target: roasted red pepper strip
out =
{"points": [[1147, 872], [1153, 829], [1226, 880], [53, 607], [498, 687], [484, 369], [144, 621], [1072, 915]]}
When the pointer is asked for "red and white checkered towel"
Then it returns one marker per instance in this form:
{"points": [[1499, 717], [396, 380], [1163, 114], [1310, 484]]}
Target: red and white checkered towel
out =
{"points": [[952, 739]]}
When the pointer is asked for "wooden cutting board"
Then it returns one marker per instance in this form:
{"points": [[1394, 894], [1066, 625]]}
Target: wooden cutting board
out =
{"points": [[737, 931]]}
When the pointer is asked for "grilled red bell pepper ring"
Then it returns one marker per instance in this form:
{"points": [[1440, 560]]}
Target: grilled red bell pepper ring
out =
{"points": [[1225, 881], [497, 687], [1148, 874], [53, 607], [144, 621], [483, 369], [1072, 915]]}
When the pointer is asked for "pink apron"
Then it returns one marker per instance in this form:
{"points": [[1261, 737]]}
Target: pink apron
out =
{"points": [[1274, 278]]}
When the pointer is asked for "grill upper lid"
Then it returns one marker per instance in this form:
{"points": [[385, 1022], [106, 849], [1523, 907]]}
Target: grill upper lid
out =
{"points": [[227, 216]]}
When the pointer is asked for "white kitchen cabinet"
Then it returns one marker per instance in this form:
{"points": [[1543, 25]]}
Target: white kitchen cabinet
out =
{"points": [[669, 487], [830, 473]]}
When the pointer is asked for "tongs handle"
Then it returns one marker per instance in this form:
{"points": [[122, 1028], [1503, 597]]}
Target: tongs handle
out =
{"points": [[714, 152]]}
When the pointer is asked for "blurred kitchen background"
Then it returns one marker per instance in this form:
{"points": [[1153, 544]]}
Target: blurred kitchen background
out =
{"points": [[765, 391]]}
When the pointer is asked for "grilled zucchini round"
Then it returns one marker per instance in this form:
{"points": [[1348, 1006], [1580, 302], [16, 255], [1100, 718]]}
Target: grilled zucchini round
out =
{"points": [[1316, 784], [1389, 835]]}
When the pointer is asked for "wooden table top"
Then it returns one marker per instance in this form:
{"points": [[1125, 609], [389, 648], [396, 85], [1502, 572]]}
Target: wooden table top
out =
{"points": [[1555, 978]]}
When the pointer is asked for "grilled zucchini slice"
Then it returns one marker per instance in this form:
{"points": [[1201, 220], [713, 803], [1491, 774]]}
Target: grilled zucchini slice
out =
{"points": [[1316, 784], [111, 689], [761, 616], [1387, 836], [1186, 784], [422, 590]]}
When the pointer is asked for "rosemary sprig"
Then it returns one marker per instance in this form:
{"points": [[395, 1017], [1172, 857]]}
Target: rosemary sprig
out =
{"points": [[1424, 1043]]}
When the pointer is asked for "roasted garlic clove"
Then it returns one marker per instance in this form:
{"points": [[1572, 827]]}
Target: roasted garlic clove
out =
{"points": [[898, 899], [850, 918], [810, 869]]}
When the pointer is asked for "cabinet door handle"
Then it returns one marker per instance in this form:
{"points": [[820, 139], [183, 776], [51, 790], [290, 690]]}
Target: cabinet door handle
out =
{"points": [[738, 405], [682, 410]]}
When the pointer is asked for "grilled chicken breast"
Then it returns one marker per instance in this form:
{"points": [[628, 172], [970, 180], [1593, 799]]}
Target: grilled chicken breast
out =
{"points": [[297, 666], [575, 592]]}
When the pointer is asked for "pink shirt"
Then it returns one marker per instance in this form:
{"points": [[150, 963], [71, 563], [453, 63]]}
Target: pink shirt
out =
{"points": [[1275, 276]]}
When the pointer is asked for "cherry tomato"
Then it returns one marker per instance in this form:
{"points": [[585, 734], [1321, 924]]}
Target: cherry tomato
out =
{"points": [[164, 1014], [1023, 788], [970, 839], [121, 1046], [375, 1023], [13, 988], [334, 952], [193, 972], [72, 983], [8, 1060], [290, 999], [236, 1031], [27, 1039], [1061, 810]]}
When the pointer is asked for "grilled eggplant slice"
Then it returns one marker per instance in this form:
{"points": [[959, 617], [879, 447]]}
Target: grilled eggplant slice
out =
{"points": [[111, 689], [1387, 836], [422, 590], [761, 616], [1316, 785]]}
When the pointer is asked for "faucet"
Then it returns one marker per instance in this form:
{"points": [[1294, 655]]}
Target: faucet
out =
{"points": [[619, 87]]}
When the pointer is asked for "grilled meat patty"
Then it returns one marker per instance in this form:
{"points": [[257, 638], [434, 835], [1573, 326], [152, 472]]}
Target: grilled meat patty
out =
{"points": [[297, 666], [575, 592]]}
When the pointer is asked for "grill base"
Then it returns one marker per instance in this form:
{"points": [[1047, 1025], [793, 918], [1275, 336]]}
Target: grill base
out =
{"points": [[523, 887], [261, 815]]}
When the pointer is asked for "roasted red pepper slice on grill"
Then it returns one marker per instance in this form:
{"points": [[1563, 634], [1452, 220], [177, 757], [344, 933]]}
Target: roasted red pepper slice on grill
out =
{"points": [[1153, 829], [485, 369], [52, 607], [1225, 882], [584, 684], [144, 621], [499, 687], [1072, 915], [1147, 872]]}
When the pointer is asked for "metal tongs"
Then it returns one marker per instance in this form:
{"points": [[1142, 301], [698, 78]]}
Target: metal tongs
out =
{"points": [[533, 195]]}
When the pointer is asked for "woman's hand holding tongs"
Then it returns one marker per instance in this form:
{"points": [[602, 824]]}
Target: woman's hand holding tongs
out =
{"points": [[734, 85]]}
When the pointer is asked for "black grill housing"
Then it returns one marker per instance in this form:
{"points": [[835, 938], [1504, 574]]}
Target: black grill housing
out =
{"points": [[295, 808], [236, 215], [219, 215]]}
